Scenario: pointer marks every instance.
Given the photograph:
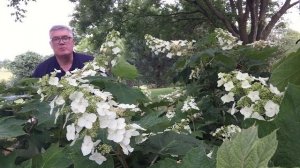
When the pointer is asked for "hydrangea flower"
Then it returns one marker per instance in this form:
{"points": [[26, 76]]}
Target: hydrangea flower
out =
{"points": [[53, 81], [87, 120], [97, 157], [245, 84], [60, 100], [228, 86], [70, 132], [110, 43], [87, 145], [274, 90], [271, 108], [228, 97], [116, 50], [253, 95], [72, 81], [79, 105], [75, 95], [116, 135], [242, 76], [247, 111]]}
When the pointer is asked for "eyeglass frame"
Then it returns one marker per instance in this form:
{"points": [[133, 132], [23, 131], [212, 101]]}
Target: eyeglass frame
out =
{"points": [[63, 39]]}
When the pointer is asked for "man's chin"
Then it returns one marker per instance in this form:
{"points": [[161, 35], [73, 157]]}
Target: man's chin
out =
{"points": [[64, 54]]}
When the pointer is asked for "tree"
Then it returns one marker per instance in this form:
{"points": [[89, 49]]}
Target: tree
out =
{"points": [[133, 19], [24, 64], [19, 11], [237, 15], [4, 63]]}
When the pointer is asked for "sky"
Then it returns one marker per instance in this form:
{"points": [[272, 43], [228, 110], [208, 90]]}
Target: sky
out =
{"points": [[32, 34]]}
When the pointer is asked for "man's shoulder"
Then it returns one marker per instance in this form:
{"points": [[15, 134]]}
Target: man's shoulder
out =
{"points": [[45, 66], [83, 57], [49, 61]]}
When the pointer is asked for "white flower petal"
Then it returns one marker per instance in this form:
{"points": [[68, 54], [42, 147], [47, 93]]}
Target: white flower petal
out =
{"points": [[228, 86], [246, 111], [70, 132], [271, 108], [253, 95], [228, 97], [98, 158], [87, 145]]}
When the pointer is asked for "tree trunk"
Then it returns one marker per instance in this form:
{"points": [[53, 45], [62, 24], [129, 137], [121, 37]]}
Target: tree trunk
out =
{"points": [[241, 13]]}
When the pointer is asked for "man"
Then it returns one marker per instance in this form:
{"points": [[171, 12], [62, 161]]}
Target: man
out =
{"points": [[64, 59]]}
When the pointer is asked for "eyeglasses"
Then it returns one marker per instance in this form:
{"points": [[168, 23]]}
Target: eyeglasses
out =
{"points": [[64, 39]]}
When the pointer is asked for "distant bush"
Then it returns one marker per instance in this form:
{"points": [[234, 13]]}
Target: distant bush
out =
{"points": [[24, 64]]}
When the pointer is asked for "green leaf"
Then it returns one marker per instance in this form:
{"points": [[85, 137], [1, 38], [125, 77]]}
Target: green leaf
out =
{"points": [[11, 127], [121, 92], [153, 122], [197, 158], [53, 157], [288, 134], [287, 71], [261, 54], [170, 143], [247, 150], [41, 111], [166, 163], [8, 161], [124, 70], [226, 61]]}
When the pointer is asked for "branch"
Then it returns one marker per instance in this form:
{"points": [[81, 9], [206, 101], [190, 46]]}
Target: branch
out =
{"points": [[171, 14], [203, 11], [253, 7], [230, 26], [262, 17], [287, 5]]}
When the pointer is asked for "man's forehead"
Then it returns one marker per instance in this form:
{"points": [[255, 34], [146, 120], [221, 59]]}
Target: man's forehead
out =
{"points": [[59, 32]]}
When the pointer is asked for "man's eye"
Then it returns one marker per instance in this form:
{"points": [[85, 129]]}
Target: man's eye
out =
{"points": [[65, 38]]}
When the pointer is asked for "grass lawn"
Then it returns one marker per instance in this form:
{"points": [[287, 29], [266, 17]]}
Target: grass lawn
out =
{"points": [[5, 75], [161, 91]]}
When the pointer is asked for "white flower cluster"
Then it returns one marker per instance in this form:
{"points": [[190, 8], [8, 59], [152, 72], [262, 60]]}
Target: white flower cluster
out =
{"points": [[252, 96], [170, 113], [190, 107], [172, 48], [172, 97], [189, 104], [261, 44], [226, 40], [226, 132], [111, 49], [89, 110], [182, 127]]}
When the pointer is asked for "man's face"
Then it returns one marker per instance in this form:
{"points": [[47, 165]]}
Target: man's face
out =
{"points": [[61, 42]]}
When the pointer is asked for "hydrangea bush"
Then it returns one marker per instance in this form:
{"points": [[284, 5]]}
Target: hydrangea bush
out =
{"points": [[219, 115], [88, 109]]}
